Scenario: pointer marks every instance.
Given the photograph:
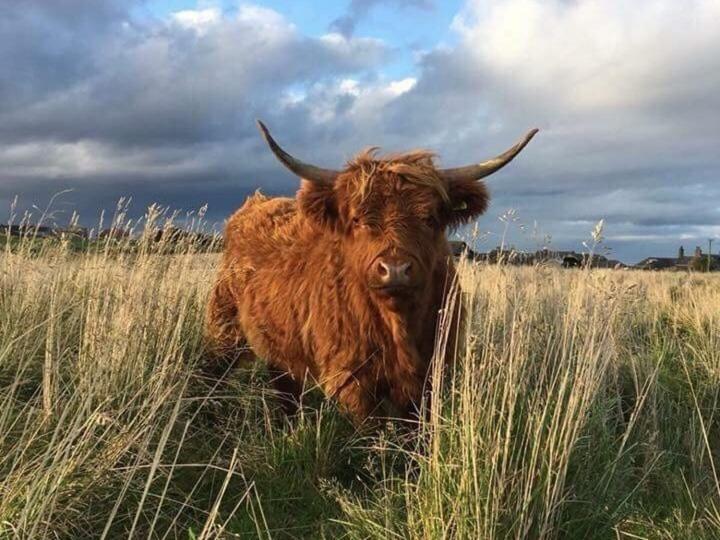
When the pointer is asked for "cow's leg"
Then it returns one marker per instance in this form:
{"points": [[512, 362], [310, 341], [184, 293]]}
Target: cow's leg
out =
{"points": [[225, 340], [407, 398], [357, 397], [288, 388]]}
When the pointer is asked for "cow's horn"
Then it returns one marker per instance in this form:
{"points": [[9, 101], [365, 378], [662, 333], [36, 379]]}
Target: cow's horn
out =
{"points": [[481, 170], [303, 170]]}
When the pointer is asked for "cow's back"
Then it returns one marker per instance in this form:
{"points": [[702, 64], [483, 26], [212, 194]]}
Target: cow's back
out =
{"points": [[259, 224]]}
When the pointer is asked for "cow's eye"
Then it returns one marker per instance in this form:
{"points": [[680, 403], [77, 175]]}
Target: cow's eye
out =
{"points": [[430, 221], [356, 222]]}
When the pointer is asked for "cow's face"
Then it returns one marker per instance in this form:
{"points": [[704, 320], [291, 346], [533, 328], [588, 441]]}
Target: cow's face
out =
{"points": [[393, 234], [392, 216]]}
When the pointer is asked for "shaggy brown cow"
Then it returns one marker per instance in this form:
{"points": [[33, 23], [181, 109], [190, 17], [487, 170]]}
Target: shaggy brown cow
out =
{"points": [[343, 284]]}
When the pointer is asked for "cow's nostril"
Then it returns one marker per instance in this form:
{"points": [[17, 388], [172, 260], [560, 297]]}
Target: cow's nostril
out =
{"points": [[382, 269], [406, 268]]}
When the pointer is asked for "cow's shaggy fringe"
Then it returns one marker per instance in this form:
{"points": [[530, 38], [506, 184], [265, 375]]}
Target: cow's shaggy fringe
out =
{"points": [[581, 404], [416, 166]]}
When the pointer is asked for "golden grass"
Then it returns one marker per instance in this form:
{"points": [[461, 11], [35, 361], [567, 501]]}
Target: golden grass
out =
{"points": [[582, 404]]}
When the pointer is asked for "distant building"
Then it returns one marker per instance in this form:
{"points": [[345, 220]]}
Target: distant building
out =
{"points": [[681, 262]]}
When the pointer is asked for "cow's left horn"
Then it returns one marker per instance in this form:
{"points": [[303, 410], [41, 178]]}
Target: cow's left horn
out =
{"points": [[481, 170], [303, 170]]}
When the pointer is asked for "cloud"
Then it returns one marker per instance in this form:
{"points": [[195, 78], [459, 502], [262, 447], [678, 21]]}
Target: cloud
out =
{"points": [[197, 19], [199, 77], [163, 110], [358, 10], [48, 45], [626, 97]]}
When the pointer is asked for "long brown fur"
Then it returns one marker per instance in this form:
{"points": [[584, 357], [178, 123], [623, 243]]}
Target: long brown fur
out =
{"points": [[293, 284]]}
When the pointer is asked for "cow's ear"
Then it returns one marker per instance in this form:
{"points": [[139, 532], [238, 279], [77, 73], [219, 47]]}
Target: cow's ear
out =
{"points": [[319, 203], [468, 200]]}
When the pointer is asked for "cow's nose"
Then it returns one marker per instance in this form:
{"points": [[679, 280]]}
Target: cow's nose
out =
{"points": [[394, 273]]}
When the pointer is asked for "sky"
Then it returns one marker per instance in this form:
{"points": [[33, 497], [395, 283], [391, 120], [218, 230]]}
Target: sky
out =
{"points": [[156, 100]]}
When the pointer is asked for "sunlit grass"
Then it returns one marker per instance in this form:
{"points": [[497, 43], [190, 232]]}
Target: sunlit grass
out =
{"points": [[581, 404]]}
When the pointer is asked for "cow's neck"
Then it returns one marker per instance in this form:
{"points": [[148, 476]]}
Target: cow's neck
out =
{"points": [[399, 329]]}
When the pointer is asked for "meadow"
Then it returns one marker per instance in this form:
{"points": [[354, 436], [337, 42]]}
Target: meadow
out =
{"points": [[580, 404]]}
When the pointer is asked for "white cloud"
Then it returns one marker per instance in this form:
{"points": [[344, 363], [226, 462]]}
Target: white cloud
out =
{"points": [[349, 86], [593, 53], [199, 20], [398, 88], [84, 160], [263, 20], [352, 102]]}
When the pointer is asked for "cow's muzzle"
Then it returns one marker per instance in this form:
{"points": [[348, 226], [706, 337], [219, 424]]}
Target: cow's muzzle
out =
{"points": [[394, 275]]}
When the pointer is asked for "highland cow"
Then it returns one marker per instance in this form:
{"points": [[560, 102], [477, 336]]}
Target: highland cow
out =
{"points": [[343, 285]]}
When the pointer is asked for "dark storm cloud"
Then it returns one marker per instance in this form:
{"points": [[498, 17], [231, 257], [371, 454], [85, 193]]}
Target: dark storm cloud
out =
{"points": [[172, 83], [163, 110], [183, 192], [357, 10]]}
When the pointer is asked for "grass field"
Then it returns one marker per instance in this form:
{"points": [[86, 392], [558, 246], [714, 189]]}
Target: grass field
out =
{"points": [[582, 404]]}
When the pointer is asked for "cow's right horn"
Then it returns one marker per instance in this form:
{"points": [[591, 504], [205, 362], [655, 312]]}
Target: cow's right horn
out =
{"points": [[303, 170], [481, 170]]}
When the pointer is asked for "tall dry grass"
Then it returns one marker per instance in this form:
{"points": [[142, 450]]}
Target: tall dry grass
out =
{"points": [[581, 404]]}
